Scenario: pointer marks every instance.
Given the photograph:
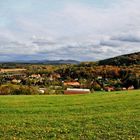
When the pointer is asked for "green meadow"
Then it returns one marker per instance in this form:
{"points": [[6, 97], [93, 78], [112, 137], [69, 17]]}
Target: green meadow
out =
{"points": [[101, 115]]}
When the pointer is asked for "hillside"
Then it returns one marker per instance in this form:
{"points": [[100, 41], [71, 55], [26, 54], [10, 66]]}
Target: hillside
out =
{"points": [[123, 60]]}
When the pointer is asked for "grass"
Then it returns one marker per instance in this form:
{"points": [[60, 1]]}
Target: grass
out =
{"points": [[97, 116]]}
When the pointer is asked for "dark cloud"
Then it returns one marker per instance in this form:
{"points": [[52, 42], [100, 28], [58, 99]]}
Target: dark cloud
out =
{"points": [[112, 43], [127, 38]]}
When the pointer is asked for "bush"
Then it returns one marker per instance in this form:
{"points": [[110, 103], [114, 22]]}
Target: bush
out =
{"points": [[6, 90], [17, 90], [25, 90], [96, 87]]}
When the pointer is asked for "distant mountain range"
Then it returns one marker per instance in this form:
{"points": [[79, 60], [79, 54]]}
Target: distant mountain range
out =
{"points": [[123, 60], [47, 62], [55, 62]]}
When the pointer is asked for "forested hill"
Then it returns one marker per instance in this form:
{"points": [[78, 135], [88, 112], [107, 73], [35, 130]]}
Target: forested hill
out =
{"points": [[123, 60]]}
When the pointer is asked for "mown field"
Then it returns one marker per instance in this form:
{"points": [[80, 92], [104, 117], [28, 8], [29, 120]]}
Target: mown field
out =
{"points": [[105, 116]]}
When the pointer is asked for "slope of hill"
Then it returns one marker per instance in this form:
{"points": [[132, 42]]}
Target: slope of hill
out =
{"points": [[123, 60]]}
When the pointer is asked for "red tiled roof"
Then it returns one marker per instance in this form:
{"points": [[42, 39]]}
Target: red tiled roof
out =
{"points": [[71, 84]]}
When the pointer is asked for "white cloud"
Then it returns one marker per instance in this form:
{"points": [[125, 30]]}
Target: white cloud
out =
{"points": [[76, 30]]}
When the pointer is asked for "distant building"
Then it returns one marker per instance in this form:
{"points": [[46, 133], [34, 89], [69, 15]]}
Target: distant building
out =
{"points": [[75, 84], [124, 88], [35, 76], [15, 81], [76, 91], [54, 76], [99, 77], [109, 89], [42, 90], [11, 70], [131, 88]]}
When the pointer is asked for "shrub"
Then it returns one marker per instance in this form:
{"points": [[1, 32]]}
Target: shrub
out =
{"points": [[17, 90], [5, 90], [25, 90]]}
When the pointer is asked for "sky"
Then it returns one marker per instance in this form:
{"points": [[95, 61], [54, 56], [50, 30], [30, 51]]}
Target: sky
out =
{"points": [[84, 30]]}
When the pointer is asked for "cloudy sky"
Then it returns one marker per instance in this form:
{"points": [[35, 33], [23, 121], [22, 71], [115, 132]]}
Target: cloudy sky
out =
{"points": [[68, 29]]}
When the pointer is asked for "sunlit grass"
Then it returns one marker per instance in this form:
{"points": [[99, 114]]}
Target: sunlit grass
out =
{"points": [[114, 115]]}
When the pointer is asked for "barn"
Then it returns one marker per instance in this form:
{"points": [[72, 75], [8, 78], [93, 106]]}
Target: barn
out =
{"points": [[76, 91]]}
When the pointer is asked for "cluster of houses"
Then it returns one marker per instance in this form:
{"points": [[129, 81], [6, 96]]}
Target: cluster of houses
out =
{"points": [[71, 87]]}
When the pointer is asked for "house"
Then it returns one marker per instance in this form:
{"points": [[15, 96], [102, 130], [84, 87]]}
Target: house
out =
{"points": [[109, 89], [37, 76], [131, 88], [75, 84], [99, 77], [54, 76], [70, 91], [15, 81], [42, 90], [124, 88]]}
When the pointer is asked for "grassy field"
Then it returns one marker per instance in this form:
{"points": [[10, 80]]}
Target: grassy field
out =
{"points": [[105, 116]]}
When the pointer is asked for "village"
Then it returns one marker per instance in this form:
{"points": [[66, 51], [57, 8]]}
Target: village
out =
{"points": [[57, 82]]}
